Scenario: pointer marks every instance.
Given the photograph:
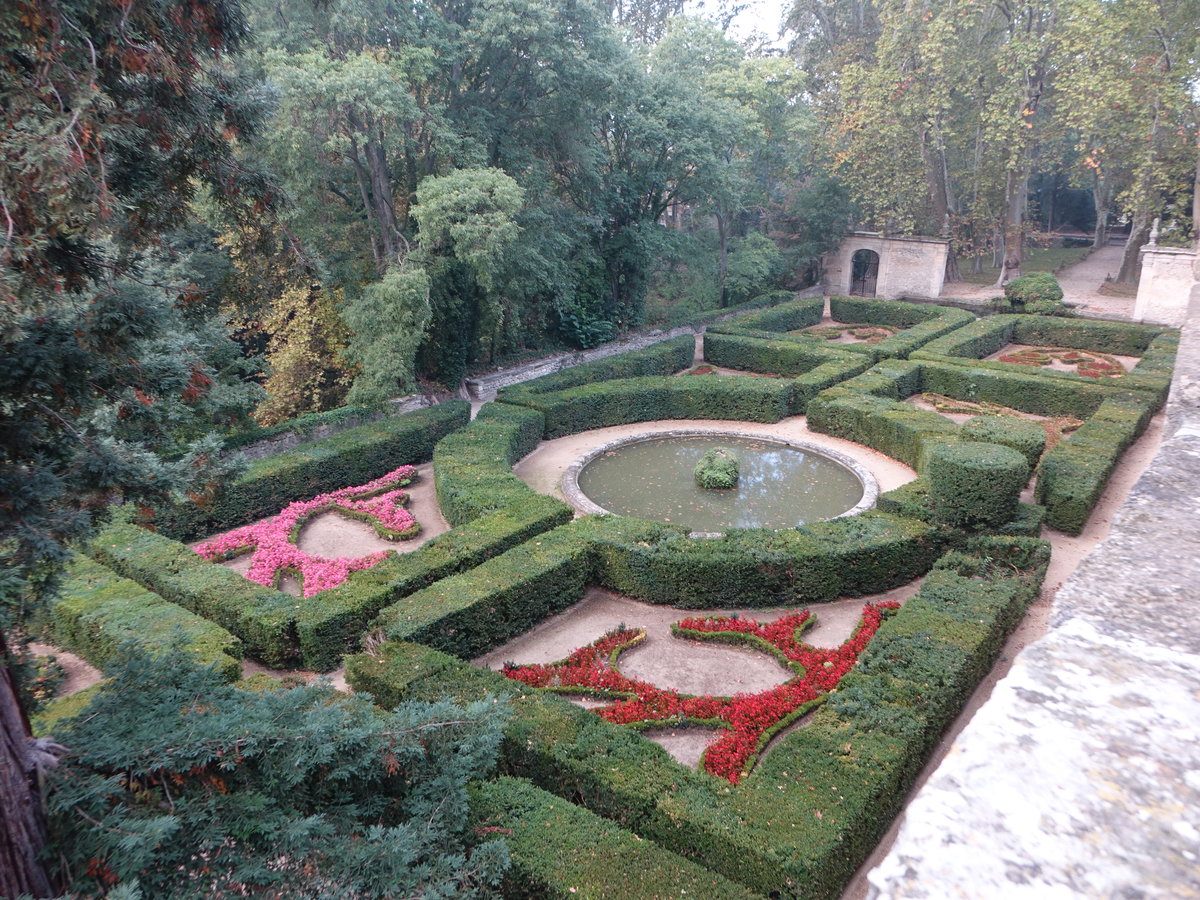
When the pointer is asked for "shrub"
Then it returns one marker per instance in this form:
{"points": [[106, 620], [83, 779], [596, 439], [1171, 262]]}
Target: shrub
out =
{"points": [[718, 469], [1026, 437], [974, 484], [1038, 288], [350, 457], [97, 612]]}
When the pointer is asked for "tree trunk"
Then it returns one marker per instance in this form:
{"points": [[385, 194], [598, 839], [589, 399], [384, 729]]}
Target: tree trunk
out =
{"points": [[22, 829], [1139, 233], [1196, 202], [381, 193], [1016, 195], [723, 259], [1101, 200]]}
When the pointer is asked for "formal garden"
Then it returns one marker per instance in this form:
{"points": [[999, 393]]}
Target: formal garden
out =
{"points": [[805, 735]]}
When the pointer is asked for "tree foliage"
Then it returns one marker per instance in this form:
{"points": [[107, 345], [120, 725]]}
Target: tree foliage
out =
{"points": [[182, 785]]}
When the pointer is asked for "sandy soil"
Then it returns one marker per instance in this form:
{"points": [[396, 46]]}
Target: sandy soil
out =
{"points": [[1081, 285], [80, 673], [1127, 362], [692, 667]]}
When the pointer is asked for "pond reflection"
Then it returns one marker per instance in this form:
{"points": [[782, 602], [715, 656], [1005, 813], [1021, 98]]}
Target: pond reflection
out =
{"points": [[780, 486]]}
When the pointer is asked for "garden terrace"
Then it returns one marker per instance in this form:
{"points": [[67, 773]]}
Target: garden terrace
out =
{"points": [[916, 325], [809, 812]]}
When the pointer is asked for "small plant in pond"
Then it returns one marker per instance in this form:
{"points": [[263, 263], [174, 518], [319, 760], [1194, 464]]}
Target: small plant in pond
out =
{"points": [[748, 721], [718, 469], [271, 543]]}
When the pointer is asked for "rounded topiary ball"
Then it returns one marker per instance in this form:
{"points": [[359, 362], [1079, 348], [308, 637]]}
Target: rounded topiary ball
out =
{"points": [[1027, 438], [972, 483]]}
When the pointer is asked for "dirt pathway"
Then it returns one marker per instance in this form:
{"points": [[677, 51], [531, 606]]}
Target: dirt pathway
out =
{"points": [[1081, 285]]}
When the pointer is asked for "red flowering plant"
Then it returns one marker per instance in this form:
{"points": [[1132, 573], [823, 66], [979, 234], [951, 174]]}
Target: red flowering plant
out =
{"points": [[271, 543], [747, 720]]}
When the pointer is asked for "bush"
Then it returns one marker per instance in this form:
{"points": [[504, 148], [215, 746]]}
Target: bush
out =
{"points": [[355, 456], [975, 485], [263, 618], [97, 612], [560, 851], [1038, 288], [1027, 438], [718, 469]]}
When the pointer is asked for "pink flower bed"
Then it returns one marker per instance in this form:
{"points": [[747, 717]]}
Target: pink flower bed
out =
{"points": [[748, 720], [271, 542]]}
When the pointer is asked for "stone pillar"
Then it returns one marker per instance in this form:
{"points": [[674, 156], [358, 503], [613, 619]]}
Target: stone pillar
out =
{"points": [[1168, 274]]}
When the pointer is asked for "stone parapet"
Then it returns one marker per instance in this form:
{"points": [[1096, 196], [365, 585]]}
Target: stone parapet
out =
{"points": [[1168, 274], [1080, 777]]}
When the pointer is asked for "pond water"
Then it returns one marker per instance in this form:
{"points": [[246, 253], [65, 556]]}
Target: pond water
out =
{"points": [[780, 486]]}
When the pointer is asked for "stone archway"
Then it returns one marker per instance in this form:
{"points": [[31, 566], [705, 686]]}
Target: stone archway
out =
{"points": [[864, 273], [904, 266]]}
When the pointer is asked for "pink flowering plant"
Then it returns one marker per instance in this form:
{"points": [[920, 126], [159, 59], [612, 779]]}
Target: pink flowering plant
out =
{"points": [[271, 543], [748, 721]]}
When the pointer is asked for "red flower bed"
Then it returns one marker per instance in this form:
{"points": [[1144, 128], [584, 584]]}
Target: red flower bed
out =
{"points": [[1086, 362], [749, 720]]}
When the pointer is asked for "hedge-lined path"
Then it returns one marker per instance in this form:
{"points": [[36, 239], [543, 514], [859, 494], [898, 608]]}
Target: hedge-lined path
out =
{"points": [[1068, 552], [1080, 282], [692, 667], [80, 674]]}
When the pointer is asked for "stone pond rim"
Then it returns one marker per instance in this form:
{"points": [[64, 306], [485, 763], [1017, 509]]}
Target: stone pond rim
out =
{"points": [[575, 495]]}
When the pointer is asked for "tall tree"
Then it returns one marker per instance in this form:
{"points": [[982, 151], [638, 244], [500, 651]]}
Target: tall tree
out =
{"points": [[113, 117]]}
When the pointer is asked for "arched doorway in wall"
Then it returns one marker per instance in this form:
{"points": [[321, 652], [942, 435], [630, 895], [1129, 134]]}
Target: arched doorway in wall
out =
{"points": [[864, 271]]}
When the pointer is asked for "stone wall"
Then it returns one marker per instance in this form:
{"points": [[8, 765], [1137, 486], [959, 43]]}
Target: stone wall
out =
{"points": [[1080, 777], [289, 439], [1166, 281], [914, 266]]}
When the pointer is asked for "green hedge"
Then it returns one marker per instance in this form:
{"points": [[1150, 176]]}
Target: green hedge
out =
{"points": [[351, 457], [648, 399], [972, 484], [96, 612], [812, 367], [262, 617], [473, 466], [920, 323], [813, 809], [664, 358], [304, 426], [899, 430], [1026, 437], [856, 555], [1155, 345], [560, 851], [1073, 475], [785, 317], [912, 501]]}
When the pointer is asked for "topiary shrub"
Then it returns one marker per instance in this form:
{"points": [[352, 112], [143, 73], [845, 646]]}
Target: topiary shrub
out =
{"points": [[972, 483], [1027, 438], [1036, 293], [718, 469]]}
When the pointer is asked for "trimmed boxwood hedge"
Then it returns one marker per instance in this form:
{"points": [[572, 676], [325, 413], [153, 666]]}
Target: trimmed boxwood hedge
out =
{"points": [[812, 367], [351, 457], [921, 323], [912, 501], [663, 358], [304, 426], [785, 317], [812, 810], [262, 617], [560, 851], [647, 399], [1155, 345], [1026, 437], [479, 609], [972, 484], [1072, 476], [96, 612]]}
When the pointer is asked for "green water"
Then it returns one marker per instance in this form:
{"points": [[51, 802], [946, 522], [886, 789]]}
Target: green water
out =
{"points": [[780, 486]]}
